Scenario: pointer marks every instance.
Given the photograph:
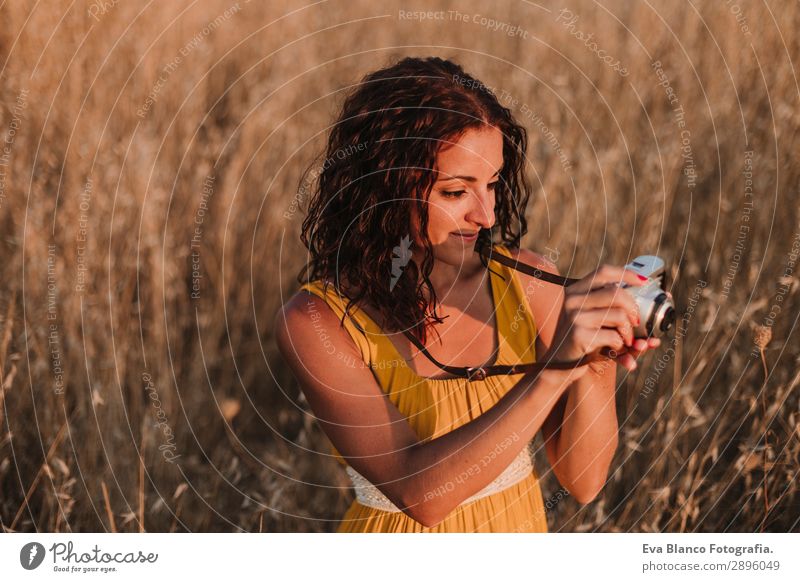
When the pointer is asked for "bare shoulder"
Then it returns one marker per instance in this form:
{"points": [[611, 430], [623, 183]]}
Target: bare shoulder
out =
{"points": [[533, 258], [362, 423], [310, 334], [532, 286], [545, 299]]}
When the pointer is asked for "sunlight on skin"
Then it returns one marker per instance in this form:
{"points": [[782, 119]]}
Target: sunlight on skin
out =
{"points": [[462, 200], [640, 346]]}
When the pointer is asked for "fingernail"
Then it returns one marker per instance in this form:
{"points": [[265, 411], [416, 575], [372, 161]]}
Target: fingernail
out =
{"points": [[642, 277]]}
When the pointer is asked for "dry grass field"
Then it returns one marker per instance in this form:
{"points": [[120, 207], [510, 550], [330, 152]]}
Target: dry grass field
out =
{"points": [[151, 196]]}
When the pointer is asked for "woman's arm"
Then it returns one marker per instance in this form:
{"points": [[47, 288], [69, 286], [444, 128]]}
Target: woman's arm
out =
{"points": [[580, 433], [583, 443], [426, 480]]}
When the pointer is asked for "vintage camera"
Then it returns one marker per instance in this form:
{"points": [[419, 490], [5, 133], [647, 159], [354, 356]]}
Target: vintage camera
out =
{"points": [[656, 309]]}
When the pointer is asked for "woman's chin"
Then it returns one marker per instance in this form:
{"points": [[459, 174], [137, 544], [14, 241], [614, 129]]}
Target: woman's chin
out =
{"points": [[463, 256]]}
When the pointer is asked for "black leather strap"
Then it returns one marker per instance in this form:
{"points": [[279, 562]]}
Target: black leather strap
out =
{"points": [[481, 372], [488, 252]]}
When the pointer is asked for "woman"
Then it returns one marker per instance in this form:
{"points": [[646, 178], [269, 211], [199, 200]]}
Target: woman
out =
{"points": [[422, 164]]}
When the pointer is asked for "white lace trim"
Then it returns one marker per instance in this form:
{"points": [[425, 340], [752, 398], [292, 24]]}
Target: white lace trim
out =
{"points": [[369, 495]]}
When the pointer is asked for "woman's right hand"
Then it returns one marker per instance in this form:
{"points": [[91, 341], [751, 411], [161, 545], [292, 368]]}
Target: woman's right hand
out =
{"points": [[596, 313]]}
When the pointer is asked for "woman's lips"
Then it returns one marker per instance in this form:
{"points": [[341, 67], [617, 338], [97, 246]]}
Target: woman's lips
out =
{"points": [[464, 237]]}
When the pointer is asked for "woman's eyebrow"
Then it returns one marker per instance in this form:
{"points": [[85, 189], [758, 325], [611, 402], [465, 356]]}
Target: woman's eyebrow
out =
{"points": [[466, 178]]}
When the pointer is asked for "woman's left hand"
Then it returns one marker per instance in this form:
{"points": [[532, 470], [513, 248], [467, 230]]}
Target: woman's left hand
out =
{"points": [[628, 356]]}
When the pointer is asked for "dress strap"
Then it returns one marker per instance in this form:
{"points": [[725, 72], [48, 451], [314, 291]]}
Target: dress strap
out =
{"points": [[354, 322]]}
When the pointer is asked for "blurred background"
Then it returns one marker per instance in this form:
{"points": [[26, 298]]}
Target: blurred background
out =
{"points": [[152, 187]]}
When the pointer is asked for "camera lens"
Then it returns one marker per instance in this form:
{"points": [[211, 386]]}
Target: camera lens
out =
{"points": [[668, 319]]}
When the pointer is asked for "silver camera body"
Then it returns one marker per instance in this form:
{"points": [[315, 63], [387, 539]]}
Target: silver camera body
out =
{"points": [[656, 309]]}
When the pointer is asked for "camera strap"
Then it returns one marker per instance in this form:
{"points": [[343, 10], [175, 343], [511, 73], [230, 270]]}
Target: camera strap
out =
{"points": [[488, 252], [481, 372]]}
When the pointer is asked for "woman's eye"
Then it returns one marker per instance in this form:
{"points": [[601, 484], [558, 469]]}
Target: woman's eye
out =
{"points": [[458, 193]]}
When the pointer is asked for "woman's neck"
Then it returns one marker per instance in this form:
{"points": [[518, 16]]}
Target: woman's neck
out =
{"points": [[454, 285], [451, 278]]}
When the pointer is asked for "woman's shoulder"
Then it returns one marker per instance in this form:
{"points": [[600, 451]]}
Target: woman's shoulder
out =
{"points": [[319, 303], [543, 299], [312, 301], [529, 257], [312, 321]]}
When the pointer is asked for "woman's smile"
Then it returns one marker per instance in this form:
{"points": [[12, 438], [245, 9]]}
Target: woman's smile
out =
{"points": [[465, 236]]}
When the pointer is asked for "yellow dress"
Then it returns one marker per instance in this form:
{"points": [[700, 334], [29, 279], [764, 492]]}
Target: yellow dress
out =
{"points": [[434, 407]]}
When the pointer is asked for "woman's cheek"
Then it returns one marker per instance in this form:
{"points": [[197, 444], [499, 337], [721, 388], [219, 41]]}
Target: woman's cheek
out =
{"points": [[437, 230]]}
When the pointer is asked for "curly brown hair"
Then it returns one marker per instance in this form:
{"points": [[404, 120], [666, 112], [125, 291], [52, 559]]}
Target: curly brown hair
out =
{"points": [[379, 162]]}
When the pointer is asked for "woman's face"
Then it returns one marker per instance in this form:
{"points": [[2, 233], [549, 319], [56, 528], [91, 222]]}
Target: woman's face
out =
{"points": [[461, 200]]}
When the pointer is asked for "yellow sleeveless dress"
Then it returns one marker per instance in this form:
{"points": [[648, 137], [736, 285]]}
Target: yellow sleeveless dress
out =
{"points": [[434, 407]]}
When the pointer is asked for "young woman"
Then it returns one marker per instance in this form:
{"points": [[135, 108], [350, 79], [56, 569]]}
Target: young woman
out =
{"points": [[422, 164]]}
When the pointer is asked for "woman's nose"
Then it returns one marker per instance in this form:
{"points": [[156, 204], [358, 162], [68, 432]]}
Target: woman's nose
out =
{"points": [[482, 210]]}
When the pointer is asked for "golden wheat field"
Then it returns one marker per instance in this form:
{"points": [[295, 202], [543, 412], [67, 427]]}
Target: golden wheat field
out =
{"points": [[152, 188]]}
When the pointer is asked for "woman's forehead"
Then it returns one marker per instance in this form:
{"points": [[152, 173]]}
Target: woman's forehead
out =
{"points": [[475, 154]]}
